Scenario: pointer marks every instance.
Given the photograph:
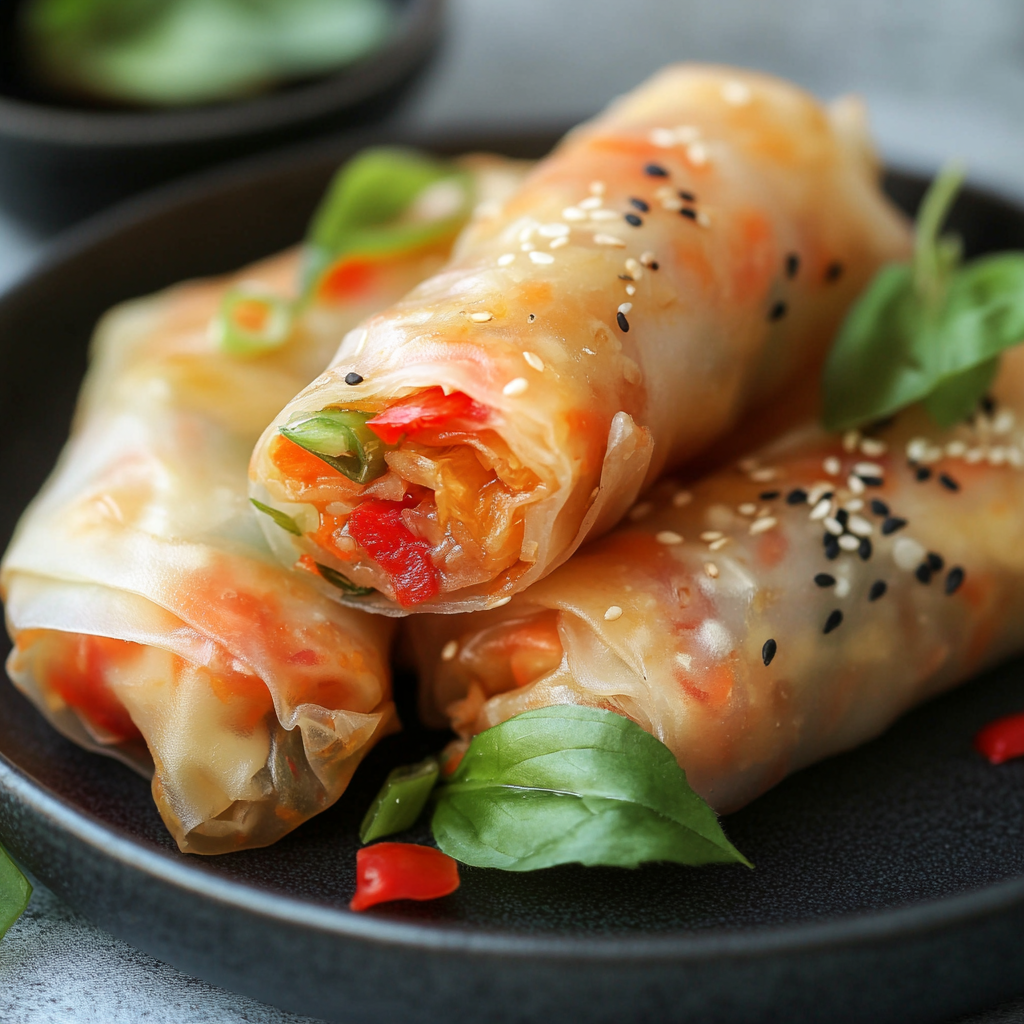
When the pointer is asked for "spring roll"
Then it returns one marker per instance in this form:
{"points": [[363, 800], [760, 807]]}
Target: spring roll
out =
{"points": [[772, 614], [673, 265], [150, 621]]}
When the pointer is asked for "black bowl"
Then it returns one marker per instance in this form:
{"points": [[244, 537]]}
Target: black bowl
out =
{"points": [[60, 163], [889, 884]]}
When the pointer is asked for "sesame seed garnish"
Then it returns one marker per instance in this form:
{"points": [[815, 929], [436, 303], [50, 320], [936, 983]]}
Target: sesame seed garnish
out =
{"points": [[792, 265], [747, 465], [527, 247], [954, 578], [864, 549], [601, 239], [590, 203], [892, 524], [603, 215], [855, 484], [557, 243], [762, 476], [711, 569], [859, 526], [907, 554], [534, 360], [648, 260], [778, 311], [554, 230], [833, 526], [635, 270], [935, 561], [850, 440], [879, 507], [748, 508], [697, 154], [688, 213], [854, 505], [736, 94], [831, 466], [639, 511], [481, 318], [612, 613], [504, 261], [573, 213], [871, 481], [796, 497], [842, 516], [681, 498], [542, 257], [516, 386], [956, 449], [625, 307], [668, 537], [655, 171], [638, 204], [819, 491], [449, 650], [872, 447], [922, 473], [768, 652], [834, 271], [831, 547], [822, 509], [923, 573], [833, 621], [762, 525], [633, 219], [597, 188], [878, 588], [711, 535], [868, 469], [353, 378], [824, 579], [769, 495], [620, 319], [631, 289], [948, 482], [848, 542]]}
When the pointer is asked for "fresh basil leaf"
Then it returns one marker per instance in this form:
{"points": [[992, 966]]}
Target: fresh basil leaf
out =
{"points": [[15, 891], [564, 784], [400, 801], [284, 521], [336, 579], [386, 200], [956, 397]]}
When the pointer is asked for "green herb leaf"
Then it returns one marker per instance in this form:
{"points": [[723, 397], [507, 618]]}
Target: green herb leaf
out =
{"points": [[336, 579], [400, 801], [341, 438], [15, 891], [383, 201], [251, 323], [931, 331], [563, 784], [284, 521]]}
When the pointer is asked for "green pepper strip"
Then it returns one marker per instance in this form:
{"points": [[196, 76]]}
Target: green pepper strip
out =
{"points": [[400, 800], [341, 438]]}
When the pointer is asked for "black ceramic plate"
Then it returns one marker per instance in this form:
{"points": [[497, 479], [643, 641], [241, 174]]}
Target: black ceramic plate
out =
{"points": [[889, 882]]}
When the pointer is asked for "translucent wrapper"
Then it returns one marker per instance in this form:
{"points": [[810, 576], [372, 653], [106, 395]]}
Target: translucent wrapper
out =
{"points": [[772, 614], [149, 617], [672, 265]]}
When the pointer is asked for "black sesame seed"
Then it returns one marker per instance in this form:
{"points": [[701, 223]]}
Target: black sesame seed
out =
{"points": [[777, 312], [769, 495], [688, 197], [622, 322], [948, 482], [797, 496], [842, 517], [923, 573], [878, 588], [872, 481], [865, 549], [353, 378], [768, 651], [823, 579], [625, 277], [935, 562], [834, 271], [639, 204], [792, 265], [687, 212], [833, 621], [532, 317], [632, 218], [922, 473], [892, 524], [655, 171], [879, 507], [954, 578], [653, 265], [831, 547], [988, 405]]}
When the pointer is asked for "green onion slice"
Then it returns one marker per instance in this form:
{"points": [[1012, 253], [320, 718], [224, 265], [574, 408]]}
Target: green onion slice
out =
{"points": [[341, 438], [250, 323]]}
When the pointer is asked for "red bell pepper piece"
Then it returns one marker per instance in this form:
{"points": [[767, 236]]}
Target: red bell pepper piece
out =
{"points": [[430, 408], [378, 527], [402, 871], [1002, 739]]}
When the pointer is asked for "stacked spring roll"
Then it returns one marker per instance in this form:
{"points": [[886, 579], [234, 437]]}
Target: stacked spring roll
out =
{"points": [[673, 265], [773, 613], [150, 621]]}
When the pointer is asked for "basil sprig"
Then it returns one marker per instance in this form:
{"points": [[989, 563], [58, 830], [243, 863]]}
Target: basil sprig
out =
{"points": [[930, 331], [15, 891], [400, 801], [341, 438], [386, 200]]}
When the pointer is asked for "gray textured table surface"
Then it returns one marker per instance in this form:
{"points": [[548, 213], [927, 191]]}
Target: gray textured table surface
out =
{"points": [[943, 78]]}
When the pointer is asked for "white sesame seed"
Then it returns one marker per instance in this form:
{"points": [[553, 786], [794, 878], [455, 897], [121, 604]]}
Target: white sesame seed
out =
{"points": [[663, 138], [672, 204], [855, 484], [527, 247], [703, 219], [833, 526], [625, 307], [482, 317], [709, 535], [973, 455], [631, 289], [597, 188], [711, 569], [681, 498], [647, 258], [515, 386], [762, 525], [604, 215], [907, 553], [916, 448], [527, 233], [955, 449], [542, 257], [763, 511], [634, 269], [997, 456], [932, 454], [1004, 421], [848, 542], [854, 505], [748, 508], [831, 465], [557, 243], [872, 447], [590, 203], [601, 239], [697, 154], [668, 537], [850, 440], [735, 93], [818, 491], [554, 230], [687, 133], [762, 476], [504, 261], [859, 526], [449, 650], [1015, 457], [573, 213], [664, 191], [534, 360], [821, 509], [868, 469], [639, 511], [842, 587], [717, 545], [747, 465], [612, 613]]}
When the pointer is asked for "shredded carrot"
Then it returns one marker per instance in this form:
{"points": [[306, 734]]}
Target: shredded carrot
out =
{"points": [[297, 464]]}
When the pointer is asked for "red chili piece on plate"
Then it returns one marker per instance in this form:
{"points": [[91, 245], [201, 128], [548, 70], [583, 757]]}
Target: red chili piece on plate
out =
{"points": [[430, 408], [1002, 739], [402, 871], [378, 527]]}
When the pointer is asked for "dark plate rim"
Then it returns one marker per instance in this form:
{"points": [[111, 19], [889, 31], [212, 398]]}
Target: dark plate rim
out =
{"points": [[416, 31]]}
